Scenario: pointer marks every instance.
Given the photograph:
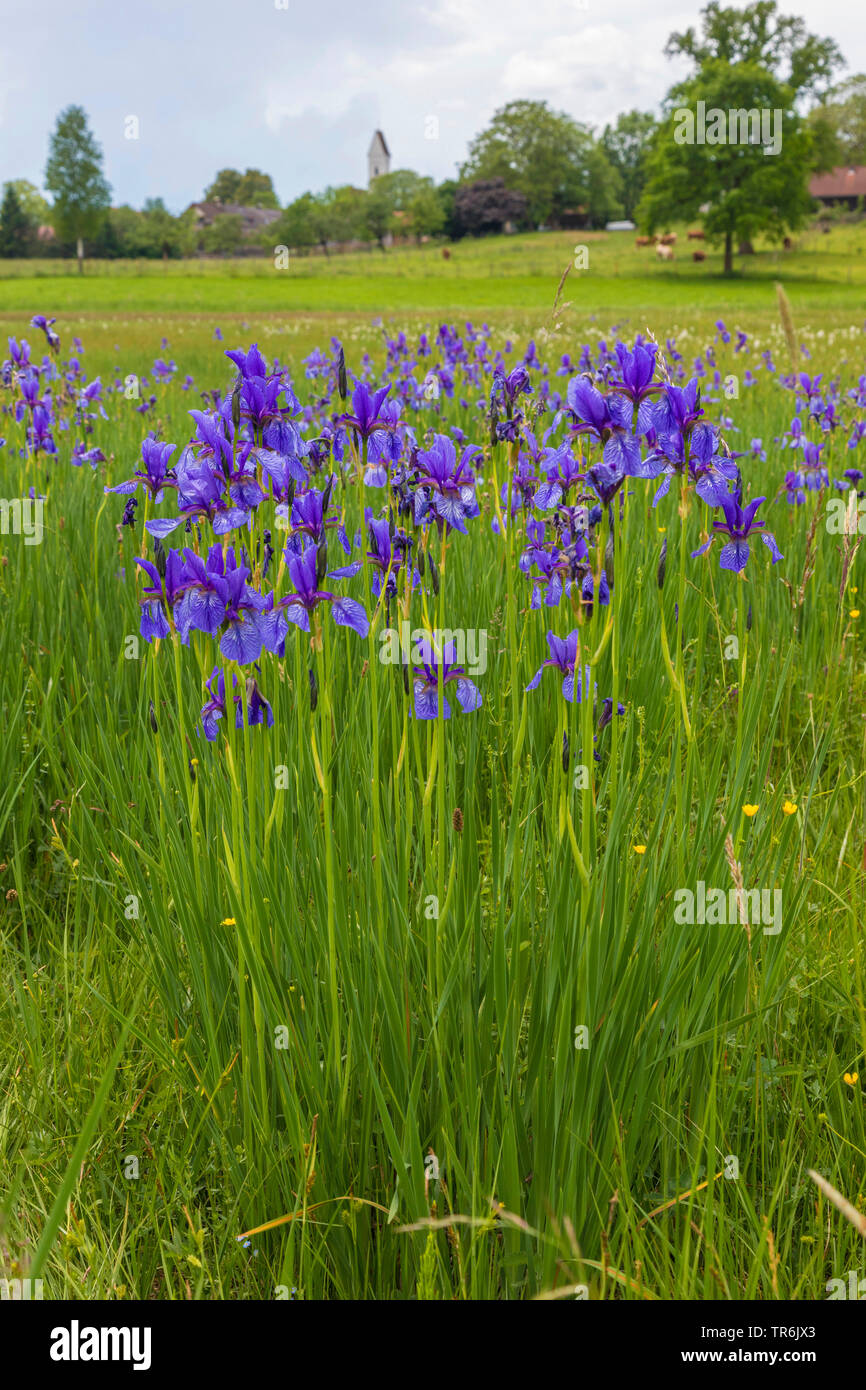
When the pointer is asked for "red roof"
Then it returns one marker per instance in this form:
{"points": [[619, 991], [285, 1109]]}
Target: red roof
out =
{"points": [[844, 182]]}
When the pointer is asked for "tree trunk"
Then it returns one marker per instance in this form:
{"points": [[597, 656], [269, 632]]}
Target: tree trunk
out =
{"points": [[80, 254], [745, 248], [729, 253]]}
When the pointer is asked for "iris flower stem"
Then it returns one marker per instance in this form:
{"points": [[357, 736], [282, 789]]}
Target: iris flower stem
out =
{"points": [[328, 829], [440, 731], [742, 647], [374, 714], [248, 853], [614, 649]]}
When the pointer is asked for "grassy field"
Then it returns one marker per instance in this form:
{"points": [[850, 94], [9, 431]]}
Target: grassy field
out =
{"points": [[226, 1002]]}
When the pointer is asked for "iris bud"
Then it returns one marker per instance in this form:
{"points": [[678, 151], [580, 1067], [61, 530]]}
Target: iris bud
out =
{"points": [[321, 560], [314, 691], [662, 563], [342, 382]]}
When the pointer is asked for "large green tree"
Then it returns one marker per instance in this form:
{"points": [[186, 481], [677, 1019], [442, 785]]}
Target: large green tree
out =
{"points": [[744, 186], [626, 145], [749, 65], [554, 161], [760, 36], [74, 177], [15, 226]]}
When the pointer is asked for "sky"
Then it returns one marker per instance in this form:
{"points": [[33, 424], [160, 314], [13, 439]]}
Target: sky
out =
{"points": [[297, 87]]}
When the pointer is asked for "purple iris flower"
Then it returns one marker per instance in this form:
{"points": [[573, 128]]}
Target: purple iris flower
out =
{"points": [[159, 595], [366, 411], [258, 709], [216, 598], [81, 455], [678, 408], [609, 419], [563, 472], [563, 655], [450, 484], [711, 470], [284, 470], [155, 475], [40, 321], [249, 364], [739, 524], [426, 682], [636, 381], [346, 612]]}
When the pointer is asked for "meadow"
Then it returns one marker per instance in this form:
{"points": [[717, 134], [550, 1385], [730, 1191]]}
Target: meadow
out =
{"points": [[331, 996]]}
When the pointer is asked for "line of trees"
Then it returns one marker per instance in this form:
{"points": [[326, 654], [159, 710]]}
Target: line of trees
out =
{"points": [[531, 166]]}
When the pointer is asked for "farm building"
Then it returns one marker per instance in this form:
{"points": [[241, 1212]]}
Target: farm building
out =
{"points": [[843, 185]]}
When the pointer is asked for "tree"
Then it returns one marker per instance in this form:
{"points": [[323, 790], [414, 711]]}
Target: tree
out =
{"points": [[225, 234], [759, 36], [297, 226], [252, 189], [749, 188], [162, 231], [224, 188], [841, 120], [626, 145], [36, 208], [15, 226], [426, 211], [256, 190], [74, 176], [486, 205], [552, 160], [446, 194]]}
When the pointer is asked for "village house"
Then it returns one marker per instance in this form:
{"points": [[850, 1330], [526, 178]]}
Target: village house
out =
{"points": [[843, 185]]}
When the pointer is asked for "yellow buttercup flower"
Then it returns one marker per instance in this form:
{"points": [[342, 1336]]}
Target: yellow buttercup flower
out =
{"points": [[851, 1078], [639, 849], [855, 612], [228, 922], [789, 808], [750, 810]]}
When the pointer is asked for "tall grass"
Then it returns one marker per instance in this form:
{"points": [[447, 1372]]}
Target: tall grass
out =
{"points": [[283, 970]]}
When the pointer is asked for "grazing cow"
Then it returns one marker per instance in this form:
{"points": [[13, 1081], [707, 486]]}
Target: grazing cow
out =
{"points": [[643, 241], [669, 239], [699, 255], [665, 253], [787, 243], [695, 236], [446, 253]]}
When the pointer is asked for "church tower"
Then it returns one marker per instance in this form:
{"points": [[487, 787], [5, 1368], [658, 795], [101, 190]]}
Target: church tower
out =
{"points": [[378, 158]]}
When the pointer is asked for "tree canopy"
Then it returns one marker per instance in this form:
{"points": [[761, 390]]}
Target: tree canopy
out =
{"points": [[73, 175], [549, 158]]}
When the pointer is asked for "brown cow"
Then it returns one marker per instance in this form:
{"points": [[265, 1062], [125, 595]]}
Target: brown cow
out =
{"points": [[699, 255], [669, 239], [446, 253], [643, 241], [695, 236]]}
